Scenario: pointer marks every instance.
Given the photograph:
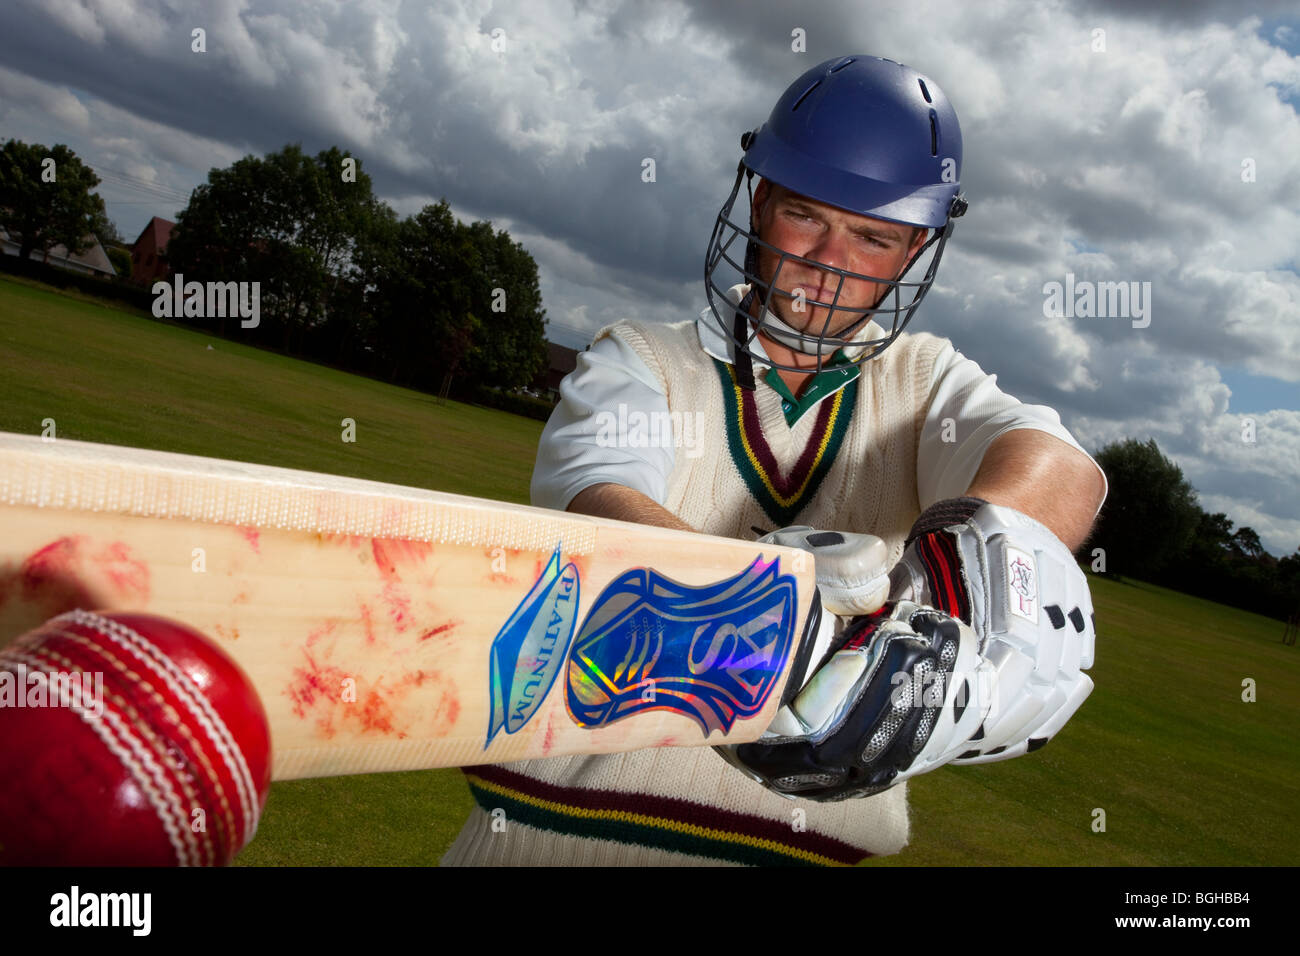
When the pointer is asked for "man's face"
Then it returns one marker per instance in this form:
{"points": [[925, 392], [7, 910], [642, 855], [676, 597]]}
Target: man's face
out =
{"points": [[814, 230]]}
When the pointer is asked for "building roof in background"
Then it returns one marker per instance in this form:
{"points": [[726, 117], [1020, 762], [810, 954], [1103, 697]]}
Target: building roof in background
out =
{"points": [[161, 229], [94, 258]]}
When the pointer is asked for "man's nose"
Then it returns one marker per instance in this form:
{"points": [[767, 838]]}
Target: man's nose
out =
{"points": [[832, 249]]}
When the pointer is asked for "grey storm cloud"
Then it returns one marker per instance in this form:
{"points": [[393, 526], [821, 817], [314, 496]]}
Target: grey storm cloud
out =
{"points": [[1190, 11]]}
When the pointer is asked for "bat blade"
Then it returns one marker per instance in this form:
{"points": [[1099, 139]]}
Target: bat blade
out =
{"points": [[394, 628]]}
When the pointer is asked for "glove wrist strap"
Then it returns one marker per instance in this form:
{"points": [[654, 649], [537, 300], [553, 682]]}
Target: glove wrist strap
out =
{"points": [[942, 514]]}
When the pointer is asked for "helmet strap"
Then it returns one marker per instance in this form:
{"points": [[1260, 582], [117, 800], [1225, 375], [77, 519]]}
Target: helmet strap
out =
{"points": [[751, 247], [740, 331]]}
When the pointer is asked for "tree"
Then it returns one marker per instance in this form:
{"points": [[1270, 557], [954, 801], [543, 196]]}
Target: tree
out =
{"points": [[1288, 581], [1151, 513], [1205, 564], [509, 299], [46, 198], [1289, 567], [121, 260], [351, 334], [1151, 527], [1215, 531], [289, 221], [423, 299], [1246, 543], [105, 230]]}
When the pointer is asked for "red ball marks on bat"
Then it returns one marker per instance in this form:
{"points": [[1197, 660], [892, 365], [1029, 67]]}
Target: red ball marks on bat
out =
{"points": [[398, 602], [389, 553], [320, 631], [549, 740], [582, 563], [127, 573], [54, 573], [376, 714], [440, 629], [317, 687], [367, 622], [253, 536]]}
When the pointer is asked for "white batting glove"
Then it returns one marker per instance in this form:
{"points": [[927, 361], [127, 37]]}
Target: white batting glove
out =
{"points": [[1025, 598]]}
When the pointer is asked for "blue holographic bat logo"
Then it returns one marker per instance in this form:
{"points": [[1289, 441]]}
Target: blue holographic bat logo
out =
{"points": [[531, 647], [712, 653]]}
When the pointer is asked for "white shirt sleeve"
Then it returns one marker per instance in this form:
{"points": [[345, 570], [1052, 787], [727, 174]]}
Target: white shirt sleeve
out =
{"points": [[588, 439], [967, 413]]}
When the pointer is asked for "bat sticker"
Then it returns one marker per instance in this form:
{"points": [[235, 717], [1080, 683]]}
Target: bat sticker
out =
{"points": [[712, 653], [531, 647]]}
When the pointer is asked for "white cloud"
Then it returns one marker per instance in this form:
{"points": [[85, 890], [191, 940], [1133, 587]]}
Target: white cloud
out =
{"points": [[22, 96], [1279, 536], [78, 19]]}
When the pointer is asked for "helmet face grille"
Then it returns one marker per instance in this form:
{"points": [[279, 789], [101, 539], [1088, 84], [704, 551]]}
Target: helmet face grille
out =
{"points": [[865, 135], [867, 331]]}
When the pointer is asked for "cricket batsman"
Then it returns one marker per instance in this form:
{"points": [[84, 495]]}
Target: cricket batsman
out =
{"points": [[940, 512]]}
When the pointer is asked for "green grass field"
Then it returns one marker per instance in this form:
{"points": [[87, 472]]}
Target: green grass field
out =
{"points": [[1185, 772]]}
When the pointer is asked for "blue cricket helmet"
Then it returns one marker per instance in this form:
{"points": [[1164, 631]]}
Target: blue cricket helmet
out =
{"points": [[866, 135]]}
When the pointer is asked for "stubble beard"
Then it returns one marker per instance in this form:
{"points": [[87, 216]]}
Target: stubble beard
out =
{"points": [[811, 319]]}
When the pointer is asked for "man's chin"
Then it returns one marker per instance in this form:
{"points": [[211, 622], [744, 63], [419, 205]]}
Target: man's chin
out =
{"points": [[811, 325]]}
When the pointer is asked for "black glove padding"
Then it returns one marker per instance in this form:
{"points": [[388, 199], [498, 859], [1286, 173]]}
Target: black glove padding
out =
{"points": [[898, 697]]}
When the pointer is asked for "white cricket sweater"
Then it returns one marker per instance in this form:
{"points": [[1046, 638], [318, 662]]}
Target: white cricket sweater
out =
{"points": [[849, 464]]}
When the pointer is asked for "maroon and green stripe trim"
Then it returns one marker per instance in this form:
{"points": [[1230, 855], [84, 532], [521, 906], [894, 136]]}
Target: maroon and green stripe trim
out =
{"points": [[665, 823], [783, 496]]}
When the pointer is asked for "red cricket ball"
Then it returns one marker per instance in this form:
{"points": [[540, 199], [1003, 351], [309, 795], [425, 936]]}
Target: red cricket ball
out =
{"points": [[127, 740]]}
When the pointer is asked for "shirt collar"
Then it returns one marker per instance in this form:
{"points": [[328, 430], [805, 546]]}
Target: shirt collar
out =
{"points": [[720, 346], [823, 385]]}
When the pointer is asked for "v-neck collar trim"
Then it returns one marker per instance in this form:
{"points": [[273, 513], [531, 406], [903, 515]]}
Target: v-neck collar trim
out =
{"points": [[783, 495]]}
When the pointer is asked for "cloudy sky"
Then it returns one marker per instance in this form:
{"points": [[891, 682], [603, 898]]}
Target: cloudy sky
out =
{"points": [[1124, 141]]}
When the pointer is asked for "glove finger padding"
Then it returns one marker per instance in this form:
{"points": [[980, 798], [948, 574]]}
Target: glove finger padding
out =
{"points": [[903, 694], [852, 569], [1044, 733]]}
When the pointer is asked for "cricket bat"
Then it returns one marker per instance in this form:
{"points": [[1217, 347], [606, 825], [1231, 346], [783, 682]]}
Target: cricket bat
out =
{"points": [[394, 628]]}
